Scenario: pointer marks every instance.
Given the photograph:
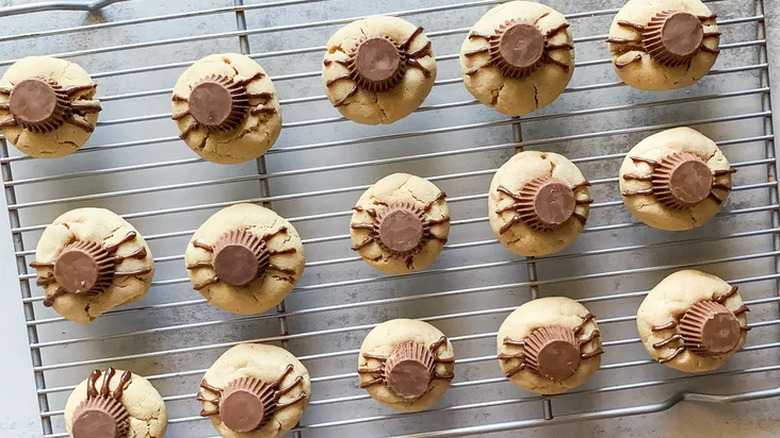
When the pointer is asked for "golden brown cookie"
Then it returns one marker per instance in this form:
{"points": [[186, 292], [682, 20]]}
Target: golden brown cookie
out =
{"points": [[675, 180], [663, 44], [378, 70], [89, 260], [406, 364], [400, 224], [47, 106], [549, 345], [692, 321], [518, 57], [226, 109]]}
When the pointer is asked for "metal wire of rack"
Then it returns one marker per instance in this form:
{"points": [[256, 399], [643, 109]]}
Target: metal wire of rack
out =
{"points": [[136, 165]]}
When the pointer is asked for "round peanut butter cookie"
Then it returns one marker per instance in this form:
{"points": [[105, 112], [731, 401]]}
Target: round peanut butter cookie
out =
{"points": [[245, 259], [675, 180], [663, 44], [255, 391], [378, 69], [226, 109], [538, 203], [400, 224], [406, 364], [549, 345], [89, 260], [518, 57], [692, 321], [117, 404], [47, 106]]}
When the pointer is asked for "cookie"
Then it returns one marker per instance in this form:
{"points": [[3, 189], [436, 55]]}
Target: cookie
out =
{"points": [[675, 180], [692, 321], [255, 391], [378, 69], [549, 345], [518, 57], [47, 106], [663, 44], [538, 203], [245, 259], [89, 260], [226, 109], [406, 364], [400, 224], [115, 403]]}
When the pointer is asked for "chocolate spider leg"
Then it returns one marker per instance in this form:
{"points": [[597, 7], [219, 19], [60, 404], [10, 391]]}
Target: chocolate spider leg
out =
{"points": [[509, 193], [198, 265], [371, 382], [473, 71], [259, 109], [274, 252], [541, 16], [586, 201], [284, 390], [593, 353], [263, 95], [635, 26], [405, 44], [508, 341], [416, 63], [438, 221], [6, 90], [435, 237], [649, 161], [287, 370], [364, 370], [667, 326], [515, 219], [370, 211], [37, 264], [277, 268], [420, 52], [582, 184], [180, 115], [80, 124], [245, 82], [580, 218], [369, 227], [378, 357], [7, 122], [514, 206], [203, 246], [711, 34], [365, 242], [733, 291], [477, 51], [177, 98], [49, 300], [585, 319], [552, 32], [113, 247], [268, 236], [565, 67], [73, 89], [124, 381], [704, 48], [721, 186], [45, 281], [668, 358], [639, 192], [667, 341], [92, 391], [593, 335], [299, 398], [508, 356], [5, 105], [615, 40], [443, 376], [109, 374], [707, 17], [342, 61], [637, 177], [475, 34], [429, 205], [435, 347], [715, 198], [342, 101], [209, 282], [139, 254], [85, 106], [515, 370], [721, 172], [133, 273], [338, 78], [742, 309], [566, 46]]}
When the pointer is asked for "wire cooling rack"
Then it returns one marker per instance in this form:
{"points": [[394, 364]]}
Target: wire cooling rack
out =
{"points": [[135, 165]]}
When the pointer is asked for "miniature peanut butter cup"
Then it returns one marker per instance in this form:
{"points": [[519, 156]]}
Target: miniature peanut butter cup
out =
{"points": [[218, 103], [84, 268], [376, 64], [401, 228], [552, 352], [682, 180], [546, 203], [239, 257], [518, 49], [672, 38], [710, 329], [409, 370], [247, 404], [100, 417], [39, 105]]}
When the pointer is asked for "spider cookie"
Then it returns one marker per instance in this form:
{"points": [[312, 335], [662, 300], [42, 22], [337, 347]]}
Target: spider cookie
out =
{"points": [[115, 404], [226, 109], [255, 391], [518, 57], [675, 180], [692, 321], [538, 203], [400, 224], [406, 364], [245, 259], [89, 260], [663, 44], [47, 106], [378, 70], [549, 345]]}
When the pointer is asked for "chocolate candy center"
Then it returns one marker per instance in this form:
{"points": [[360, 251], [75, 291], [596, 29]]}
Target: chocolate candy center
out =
{"points": [[691, 182], [401, 230], [720, 333], [76, 271], [558, 360], [409, 378], [682, 34], [377, 59], [236, 264], [554, 203], [33, 101], [522, 45], [94, 424], [242, 411], [211, 104]]}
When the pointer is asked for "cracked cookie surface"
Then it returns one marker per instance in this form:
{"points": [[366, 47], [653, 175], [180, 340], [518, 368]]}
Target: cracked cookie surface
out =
{"points": [[637, 68], [514, 175], [381, 341], [148, 417], [68, 137], [267, 363], [537, 87], [646, 207], [258, 125], [271, 286], [369, 107], [394, 190], [104, 228]]}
